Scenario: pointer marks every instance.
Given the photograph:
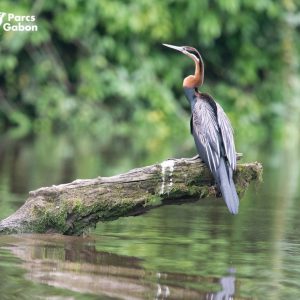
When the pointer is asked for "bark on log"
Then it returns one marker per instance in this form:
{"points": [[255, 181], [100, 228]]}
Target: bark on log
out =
{"points": [[73, 207]]}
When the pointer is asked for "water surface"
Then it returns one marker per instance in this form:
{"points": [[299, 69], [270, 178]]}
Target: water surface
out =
{"points": [[191, 251]]}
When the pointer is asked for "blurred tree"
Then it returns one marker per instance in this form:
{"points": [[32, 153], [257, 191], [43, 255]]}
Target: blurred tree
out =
{"points": [[98, 67]]}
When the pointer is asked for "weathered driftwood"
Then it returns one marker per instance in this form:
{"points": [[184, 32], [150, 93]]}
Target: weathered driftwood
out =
{"points": [[73, 207]]}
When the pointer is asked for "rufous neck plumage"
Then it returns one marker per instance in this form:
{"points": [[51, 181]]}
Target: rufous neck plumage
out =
{"points": [[196, 80]]}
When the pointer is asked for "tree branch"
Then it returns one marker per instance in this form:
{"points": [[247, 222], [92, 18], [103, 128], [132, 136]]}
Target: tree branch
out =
{"points": [[71, 208]]}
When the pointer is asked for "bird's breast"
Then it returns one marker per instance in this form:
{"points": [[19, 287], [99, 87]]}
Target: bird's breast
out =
{"points": [[191, 96]]}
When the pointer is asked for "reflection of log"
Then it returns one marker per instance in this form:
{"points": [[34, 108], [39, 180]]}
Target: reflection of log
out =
{"points": [[73, 264], [71, 208]]}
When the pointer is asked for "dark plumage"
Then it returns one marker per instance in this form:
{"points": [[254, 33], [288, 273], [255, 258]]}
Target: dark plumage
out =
{"points": [[212, 131], [213, 137]]}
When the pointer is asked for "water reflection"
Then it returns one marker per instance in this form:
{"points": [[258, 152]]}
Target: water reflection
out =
{"points": [[75, 264], [228, 288]]}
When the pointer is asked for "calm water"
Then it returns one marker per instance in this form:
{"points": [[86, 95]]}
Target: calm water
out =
{"points": [[192, 251]]}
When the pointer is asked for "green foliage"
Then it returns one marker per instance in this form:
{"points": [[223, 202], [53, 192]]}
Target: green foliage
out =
{"points": [[99, 67]]}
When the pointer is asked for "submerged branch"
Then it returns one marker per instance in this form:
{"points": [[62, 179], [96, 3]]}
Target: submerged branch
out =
{"points": [[71, 208]]}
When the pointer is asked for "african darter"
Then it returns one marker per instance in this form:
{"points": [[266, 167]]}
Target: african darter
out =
{"points": [[212, 131]]}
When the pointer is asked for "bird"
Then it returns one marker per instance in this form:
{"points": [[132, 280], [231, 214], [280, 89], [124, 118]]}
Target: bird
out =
{"points": [[212, 131]]}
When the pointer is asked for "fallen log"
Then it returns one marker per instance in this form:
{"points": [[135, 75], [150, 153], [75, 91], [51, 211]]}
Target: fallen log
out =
{"points": [[73, 207]]}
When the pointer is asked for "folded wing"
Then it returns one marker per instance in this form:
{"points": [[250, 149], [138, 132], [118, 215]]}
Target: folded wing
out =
{"points": [[213, 130], [207, 134]]}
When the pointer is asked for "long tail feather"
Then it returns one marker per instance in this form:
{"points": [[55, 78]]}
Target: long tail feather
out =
{"points": [[227, 187]]}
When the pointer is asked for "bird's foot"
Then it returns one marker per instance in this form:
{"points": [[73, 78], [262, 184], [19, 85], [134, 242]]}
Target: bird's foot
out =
{"points": [[218, 193], [196, 157], [239, 155]]}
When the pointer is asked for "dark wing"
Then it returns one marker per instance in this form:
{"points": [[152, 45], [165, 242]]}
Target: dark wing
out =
{"points": [[227, 136], [206, 133]]}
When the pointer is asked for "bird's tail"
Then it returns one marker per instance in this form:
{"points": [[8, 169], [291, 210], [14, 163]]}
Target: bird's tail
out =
{"points": [[227, 187]]}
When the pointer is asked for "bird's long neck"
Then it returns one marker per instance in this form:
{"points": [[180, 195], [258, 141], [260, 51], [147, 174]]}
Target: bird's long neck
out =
{"points": [[196, 80]]}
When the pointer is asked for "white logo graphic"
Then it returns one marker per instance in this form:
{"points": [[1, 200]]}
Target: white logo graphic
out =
{"points": [[2, 14], [17, 23]]}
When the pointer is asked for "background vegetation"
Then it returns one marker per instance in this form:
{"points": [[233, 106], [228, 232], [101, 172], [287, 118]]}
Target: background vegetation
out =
{"points": [[97, 68]]}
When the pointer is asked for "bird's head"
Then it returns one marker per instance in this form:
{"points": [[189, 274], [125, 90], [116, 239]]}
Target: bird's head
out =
{"points": [[196, 57], [187, 50]]}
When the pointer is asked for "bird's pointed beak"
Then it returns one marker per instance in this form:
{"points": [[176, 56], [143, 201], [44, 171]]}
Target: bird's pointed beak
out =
{"points": [[174, 47]]}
